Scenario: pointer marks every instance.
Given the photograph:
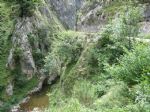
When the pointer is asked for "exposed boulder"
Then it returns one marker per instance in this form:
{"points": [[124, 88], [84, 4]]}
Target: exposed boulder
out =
{"points": [[52, 79], [145, 27], [92, 21], [11, 61], [66, 11], [25, 100], [91, 17], [147, 13], [1, 104], [39, 86], [36, 110], [9, 89], [15, 108]]}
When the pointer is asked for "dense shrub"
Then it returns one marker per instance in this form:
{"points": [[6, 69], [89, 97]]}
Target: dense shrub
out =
{"points": [[26, 7], [91, 81], [133, 66], [66, 50], [116, 37], [143, 1]]}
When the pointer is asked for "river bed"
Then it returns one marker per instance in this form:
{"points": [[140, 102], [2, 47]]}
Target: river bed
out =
{"points": [[38, 100]]}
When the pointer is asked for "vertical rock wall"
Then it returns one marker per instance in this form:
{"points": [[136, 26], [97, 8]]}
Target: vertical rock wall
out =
{"points": [[43, 19], [67, 11]]}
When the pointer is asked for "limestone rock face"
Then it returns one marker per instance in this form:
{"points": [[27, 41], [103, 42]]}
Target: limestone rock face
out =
{"points": [[1, 104], [67, 11], [15, 109], [39, 28], [9, 89], [20, 41], [92, 18], [10, 61], [91, 22], [145, 27], [147, 13]]}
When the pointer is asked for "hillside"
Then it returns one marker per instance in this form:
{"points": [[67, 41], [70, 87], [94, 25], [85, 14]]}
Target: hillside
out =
{"points": [[88, 55]]}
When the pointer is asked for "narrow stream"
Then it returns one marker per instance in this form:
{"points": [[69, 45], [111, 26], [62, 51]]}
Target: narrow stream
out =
{"points": [[37, 100]]}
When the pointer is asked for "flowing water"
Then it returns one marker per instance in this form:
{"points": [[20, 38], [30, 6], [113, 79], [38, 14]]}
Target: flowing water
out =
{"points": [[38, 100]]}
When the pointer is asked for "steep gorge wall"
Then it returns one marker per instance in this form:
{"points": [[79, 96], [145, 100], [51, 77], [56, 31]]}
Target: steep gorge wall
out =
{"points": [[43, 19], [67, 11], [31, 39]]}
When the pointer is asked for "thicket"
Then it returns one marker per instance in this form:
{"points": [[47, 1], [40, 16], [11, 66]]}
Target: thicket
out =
{"points": [[111, 75], [25, 7]]}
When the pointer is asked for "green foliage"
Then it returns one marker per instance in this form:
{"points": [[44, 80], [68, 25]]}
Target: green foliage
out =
{"points": [[40, 45], [53, 64], [116, 37], [22, 86], [133, 66], [142, 96], [74, 62], [66, 50], [117, 99], [116, 96], [90, 74], [6, 25], [143, 1], [72, 105], [26, 7], [70, 48], [85, 92]]}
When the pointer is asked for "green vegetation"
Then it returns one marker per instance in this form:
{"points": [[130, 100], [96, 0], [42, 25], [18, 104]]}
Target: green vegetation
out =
{"points": [[109, 75], [108, 71], [21, 86], [25, 7], [6, 25], [134, 66]]}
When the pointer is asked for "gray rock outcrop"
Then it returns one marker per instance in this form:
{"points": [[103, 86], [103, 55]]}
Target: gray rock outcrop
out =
{"points": [[147, 13], [1, 104], [25, 27], [9, 89], [67, 11]]}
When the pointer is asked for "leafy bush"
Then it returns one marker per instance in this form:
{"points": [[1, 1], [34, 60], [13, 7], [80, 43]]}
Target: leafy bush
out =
{"points": [[70, 48], [116, 36], [26, 7], [143, 1], [66, 50], [52, 64], [133, 66], [6, 25], [117, 95]]}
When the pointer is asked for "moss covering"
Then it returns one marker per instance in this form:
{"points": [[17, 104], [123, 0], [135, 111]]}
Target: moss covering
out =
{"points": [[6, 26]]}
